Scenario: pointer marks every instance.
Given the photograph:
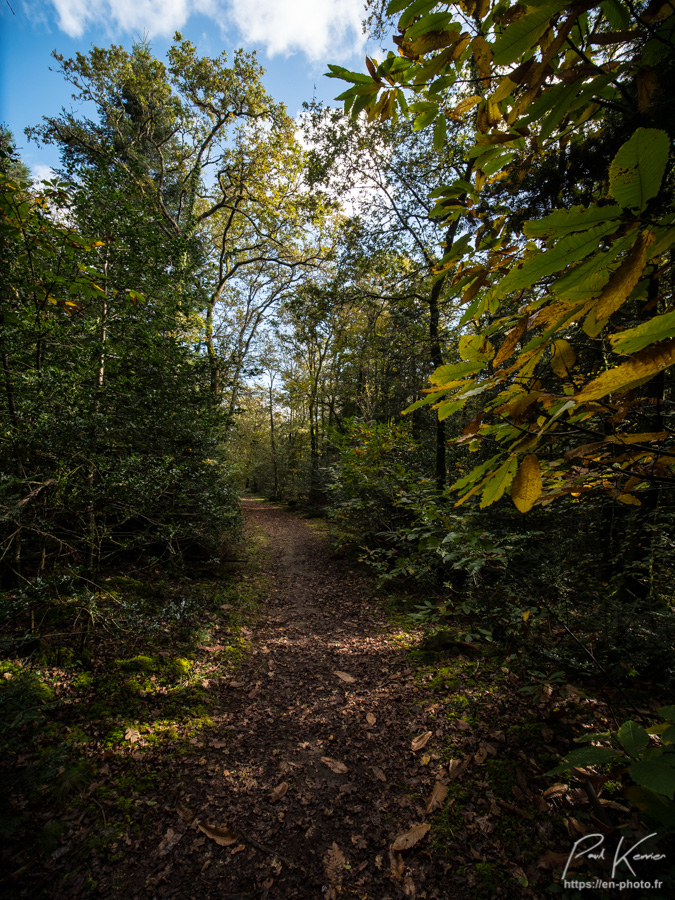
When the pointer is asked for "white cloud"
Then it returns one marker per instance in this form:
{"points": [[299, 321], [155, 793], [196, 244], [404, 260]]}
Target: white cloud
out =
{"points": [[154, 17], [317, 28], [42, 173]]}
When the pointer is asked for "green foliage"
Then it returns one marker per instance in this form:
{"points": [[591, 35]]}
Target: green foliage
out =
{"points": [[592, 264], [410, 531], [645, 757]]}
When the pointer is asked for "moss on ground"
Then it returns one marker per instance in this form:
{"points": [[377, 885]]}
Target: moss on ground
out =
{"points": [[78, 737]]}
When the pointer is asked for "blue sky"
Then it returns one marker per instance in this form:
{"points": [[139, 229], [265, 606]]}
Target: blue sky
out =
{"points": [[295, 40]]}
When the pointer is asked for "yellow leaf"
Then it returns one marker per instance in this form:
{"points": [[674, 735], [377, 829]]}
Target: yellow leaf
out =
{"points": [[504, 89], [563, 359], [465, 105], [483, 55], [494, 114], [629, 500], [526, 487], [636, 371], [619, 287]]}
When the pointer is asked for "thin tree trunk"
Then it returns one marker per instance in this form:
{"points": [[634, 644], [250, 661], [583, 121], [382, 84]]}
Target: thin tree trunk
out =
{"points": [[272, 440]]}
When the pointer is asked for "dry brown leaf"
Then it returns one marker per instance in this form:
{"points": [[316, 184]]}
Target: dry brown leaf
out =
{"points": [[334, 863], [396, 863], [237, 849], [556, 790], [575, 827], [169, 841], [184, 814], [132, 735], [409, 887], [379, 774], [480, 755], [421, 741], [540, 803], [224, 836], [279, 792], [455, 768], [438, 795], [345, 676], [370, 719], [411, 837], [334, 765]]}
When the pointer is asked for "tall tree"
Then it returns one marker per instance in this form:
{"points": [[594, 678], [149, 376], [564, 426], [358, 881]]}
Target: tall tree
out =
{"points": [[206, 146]]}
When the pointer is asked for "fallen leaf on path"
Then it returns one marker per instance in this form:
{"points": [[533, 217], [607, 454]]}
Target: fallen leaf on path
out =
{"points": [[556, 790], [409, 887], [334, 863], [421, 741], [335, 765], [455, 768], [574, 827], [184, 814], [224, 836], [410, 838], [278, 792], [132, 735], [238, 849], [370, 719], [345, 676], [169, 841], [438, 795], [379, 774], [396, 863]]}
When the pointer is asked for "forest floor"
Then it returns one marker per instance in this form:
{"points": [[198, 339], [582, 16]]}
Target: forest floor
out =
{"points": [[338, 759]]}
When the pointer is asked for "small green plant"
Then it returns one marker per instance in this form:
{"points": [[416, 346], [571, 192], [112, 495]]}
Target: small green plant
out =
{"points": [[646, 757]]}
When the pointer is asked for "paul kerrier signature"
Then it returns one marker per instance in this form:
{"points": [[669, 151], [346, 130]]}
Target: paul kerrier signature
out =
{"points": [[622, 854]]}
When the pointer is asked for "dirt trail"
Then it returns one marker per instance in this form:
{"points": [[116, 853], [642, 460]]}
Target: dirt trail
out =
{"points": [[310, 761]]}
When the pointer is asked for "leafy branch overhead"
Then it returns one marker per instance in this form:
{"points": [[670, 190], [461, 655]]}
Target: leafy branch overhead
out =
{"points": [[565, 305]]}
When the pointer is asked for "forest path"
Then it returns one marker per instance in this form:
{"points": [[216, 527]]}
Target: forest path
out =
{"points": [[308, 775]]}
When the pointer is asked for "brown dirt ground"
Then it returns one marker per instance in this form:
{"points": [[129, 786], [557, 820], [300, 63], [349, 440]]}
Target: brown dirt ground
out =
{"points": [[299, 828]]}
